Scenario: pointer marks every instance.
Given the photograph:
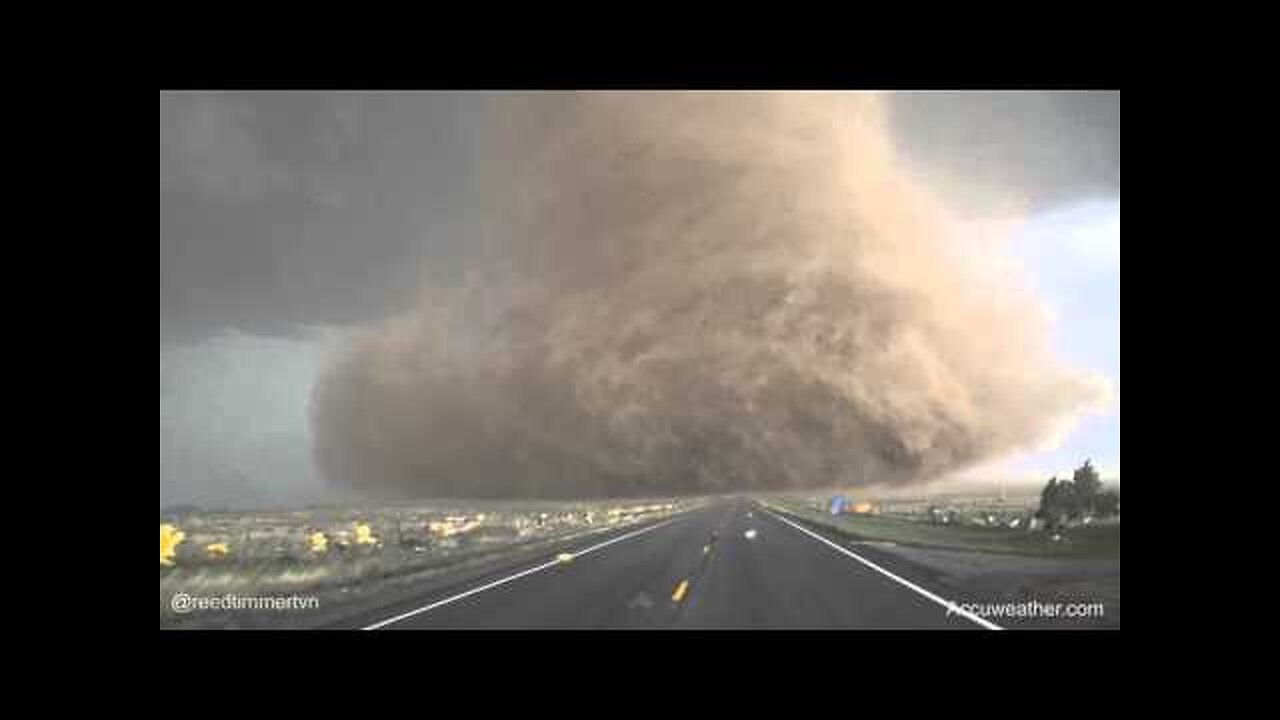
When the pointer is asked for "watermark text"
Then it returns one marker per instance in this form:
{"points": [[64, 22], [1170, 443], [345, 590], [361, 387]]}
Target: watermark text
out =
{"points": [[184, 603], [1029, 609]]}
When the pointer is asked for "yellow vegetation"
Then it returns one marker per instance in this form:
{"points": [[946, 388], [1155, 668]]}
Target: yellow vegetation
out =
{"points": [[170, 538]]}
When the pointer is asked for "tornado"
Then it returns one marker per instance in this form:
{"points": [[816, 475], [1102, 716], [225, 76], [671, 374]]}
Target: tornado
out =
{"points": [[698, 293]]}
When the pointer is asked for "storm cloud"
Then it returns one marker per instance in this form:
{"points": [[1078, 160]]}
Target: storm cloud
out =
{"points": [[280, 211], [693, 293]]}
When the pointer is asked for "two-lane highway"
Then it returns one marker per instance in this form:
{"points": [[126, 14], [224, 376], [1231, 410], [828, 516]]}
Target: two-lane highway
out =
{"points": [[731, 565]]}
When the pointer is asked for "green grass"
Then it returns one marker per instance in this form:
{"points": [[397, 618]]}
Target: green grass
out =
{"points": [[1099, 540]]}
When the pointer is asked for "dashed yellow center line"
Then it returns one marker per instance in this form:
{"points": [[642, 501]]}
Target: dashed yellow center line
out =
{"points": [[681, 589]]}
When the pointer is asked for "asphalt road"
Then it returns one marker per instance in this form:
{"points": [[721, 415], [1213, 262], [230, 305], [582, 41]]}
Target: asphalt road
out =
{"points": [[732, 565]]}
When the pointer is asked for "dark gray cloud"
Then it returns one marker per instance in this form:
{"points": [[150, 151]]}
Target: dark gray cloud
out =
{"points": [[996, 152], [281, 209]]}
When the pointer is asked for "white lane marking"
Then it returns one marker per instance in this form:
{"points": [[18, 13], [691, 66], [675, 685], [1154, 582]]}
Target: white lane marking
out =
{"points": [[517, 576], [950, 606]]}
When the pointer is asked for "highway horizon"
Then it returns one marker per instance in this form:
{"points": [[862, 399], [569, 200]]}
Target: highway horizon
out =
{"points": [[731, 564]]}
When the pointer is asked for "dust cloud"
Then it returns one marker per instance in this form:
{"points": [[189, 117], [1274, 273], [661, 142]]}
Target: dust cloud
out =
{"points": [[698, 293]]}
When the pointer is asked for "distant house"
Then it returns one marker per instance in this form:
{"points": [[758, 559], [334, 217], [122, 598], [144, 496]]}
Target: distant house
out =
{"points": [[841, 505]]}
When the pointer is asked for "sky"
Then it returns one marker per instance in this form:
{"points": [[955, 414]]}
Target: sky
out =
{"points": [[289, 221], [232, 412], [1072, 256]]}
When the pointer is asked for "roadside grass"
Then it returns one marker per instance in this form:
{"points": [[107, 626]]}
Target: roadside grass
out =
{"points": [[1093, 541], [214, 554]]}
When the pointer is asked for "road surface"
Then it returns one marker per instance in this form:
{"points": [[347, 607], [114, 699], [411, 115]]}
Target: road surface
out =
{"points": [[730, 565]]}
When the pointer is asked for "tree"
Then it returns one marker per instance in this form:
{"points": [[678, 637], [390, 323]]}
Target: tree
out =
{"points": [[1087, 486], [1081, 495], [1107, 503], [1047, 497], [1057, 502]]}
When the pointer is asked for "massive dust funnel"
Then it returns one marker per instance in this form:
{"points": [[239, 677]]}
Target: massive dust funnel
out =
{"points": [[698, 293]]}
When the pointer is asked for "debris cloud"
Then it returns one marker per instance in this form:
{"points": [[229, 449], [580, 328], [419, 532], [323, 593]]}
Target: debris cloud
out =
{"points": [[687, 293]]}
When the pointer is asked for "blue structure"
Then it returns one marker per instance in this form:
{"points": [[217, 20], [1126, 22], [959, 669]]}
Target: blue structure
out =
{"points": [[838, 503]]}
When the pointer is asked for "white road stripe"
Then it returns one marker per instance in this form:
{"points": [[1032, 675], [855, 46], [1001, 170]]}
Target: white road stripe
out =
{"points": [[950, 606], [517, 576]]}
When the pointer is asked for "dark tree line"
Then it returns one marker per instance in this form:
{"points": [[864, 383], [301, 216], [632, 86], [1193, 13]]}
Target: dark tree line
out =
{"points": [[1082, 495]]}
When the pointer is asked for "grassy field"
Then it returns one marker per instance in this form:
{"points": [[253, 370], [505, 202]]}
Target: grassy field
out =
{"points": [[337, 550], [909, 523], [979, 547]]}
